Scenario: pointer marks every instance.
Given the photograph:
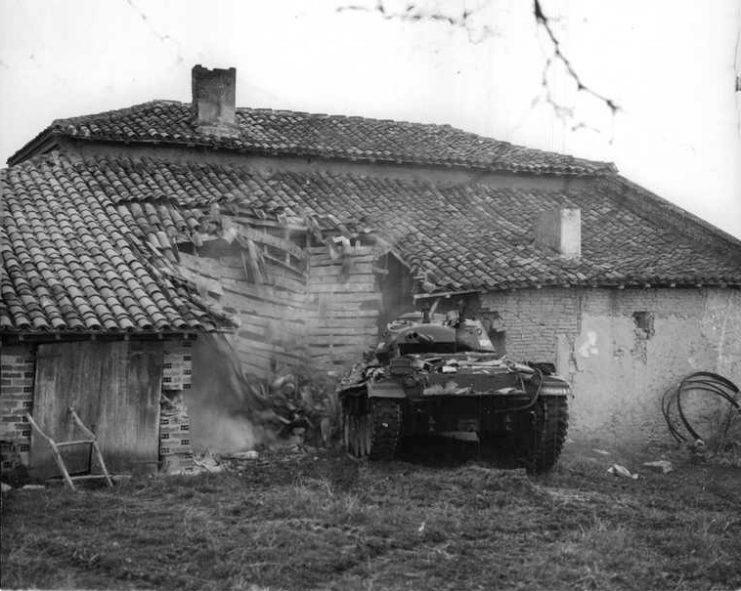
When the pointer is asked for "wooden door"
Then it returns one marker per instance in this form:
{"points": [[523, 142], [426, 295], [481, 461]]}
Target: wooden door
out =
{"points": [[114, 388]]}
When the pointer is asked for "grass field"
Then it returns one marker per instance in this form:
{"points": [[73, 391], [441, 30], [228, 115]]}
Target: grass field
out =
{"points": [[323, 521]]}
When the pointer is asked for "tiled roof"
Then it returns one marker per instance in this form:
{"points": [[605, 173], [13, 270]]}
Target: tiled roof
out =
{"points": [[459, 236], [361, 139], [70, 263]]}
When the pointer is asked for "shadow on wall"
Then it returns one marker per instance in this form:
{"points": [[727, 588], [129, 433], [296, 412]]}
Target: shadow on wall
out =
{"points": [[218, 403]]}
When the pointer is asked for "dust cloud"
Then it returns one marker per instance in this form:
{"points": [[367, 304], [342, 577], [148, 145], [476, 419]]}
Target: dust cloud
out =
{"points": [[218, 404]]}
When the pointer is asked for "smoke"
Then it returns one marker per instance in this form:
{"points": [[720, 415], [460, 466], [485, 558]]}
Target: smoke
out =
{"points": [[231, 412], [219, 406], [221, 433]]}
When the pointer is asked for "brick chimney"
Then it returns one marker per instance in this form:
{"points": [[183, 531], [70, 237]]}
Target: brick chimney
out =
{"points": [[213, 100], [560, 229]]}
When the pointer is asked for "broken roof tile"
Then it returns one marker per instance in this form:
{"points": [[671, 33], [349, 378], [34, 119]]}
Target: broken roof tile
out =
{"points": [[63, 271], [87, 259]]}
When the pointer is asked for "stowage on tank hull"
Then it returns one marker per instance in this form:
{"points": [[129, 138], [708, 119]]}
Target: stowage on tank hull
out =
{"points": [[432, 387]]}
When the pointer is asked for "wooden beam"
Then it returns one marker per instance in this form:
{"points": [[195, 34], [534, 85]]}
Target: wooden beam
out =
{"points": [[54, 452], [445, 294], [94, 441], [284, 244]]}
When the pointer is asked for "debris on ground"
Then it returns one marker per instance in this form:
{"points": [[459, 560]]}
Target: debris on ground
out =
{"points": [[663, 466], [206, 462], [622, 471], [297, 408], [243, 455]]}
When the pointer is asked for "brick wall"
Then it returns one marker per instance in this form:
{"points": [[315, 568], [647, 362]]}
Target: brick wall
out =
{"points": [[175, 450], [534, 319], [16, 399]]}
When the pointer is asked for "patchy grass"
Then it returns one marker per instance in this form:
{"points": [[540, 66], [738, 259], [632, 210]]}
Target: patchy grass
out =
{"points": [[327, 522]]}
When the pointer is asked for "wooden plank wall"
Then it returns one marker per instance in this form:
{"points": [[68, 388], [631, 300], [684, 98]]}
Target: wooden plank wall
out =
{"points": [[348, 301], [261, 279], [313, 309], [115, 389]]}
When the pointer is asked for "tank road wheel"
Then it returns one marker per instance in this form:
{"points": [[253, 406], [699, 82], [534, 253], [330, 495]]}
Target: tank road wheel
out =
{"points": [[551, 422], [386, 418]]}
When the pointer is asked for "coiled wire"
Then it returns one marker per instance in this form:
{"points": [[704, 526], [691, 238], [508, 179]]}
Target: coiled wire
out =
{"points": [[703, 381]]}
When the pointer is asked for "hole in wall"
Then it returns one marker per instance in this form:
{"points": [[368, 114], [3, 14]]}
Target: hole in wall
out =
{"points": [[644, 322], [494, 326]]}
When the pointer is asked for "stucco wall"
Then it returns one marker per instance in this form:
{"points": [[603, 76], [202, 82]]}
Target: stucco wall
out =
{"points": [[619, 371]]}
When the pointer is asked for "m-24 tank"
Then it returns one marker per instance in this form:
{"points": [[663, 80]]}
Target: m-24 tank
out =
{"points": [[445, 379]]}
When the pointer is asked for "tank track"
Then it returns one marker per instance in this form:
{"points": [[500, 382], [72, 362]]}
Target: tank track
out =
{"points": [[551, 426], [386, 419], [372, 430]]}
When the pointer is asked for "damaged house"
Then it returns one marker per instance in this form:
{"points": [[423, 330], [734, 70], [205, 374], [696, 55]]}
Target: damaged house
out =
{"points": [[131, 237]]}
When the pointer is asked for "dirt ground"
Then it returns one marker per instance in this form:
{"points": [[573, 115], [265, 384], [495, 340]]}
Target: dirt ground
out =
{"points": [[319, 520]]}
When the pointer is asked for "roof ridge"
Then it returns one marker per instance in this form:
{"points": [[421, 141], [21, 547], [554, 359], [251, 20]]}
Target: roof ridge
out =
{"points": [[343, 116], [299, 133], [112, 112]]}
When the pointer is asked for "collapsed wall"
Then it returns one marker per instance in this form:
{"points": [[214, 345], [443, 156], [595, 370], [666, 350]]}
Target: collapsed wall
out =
{"points": [[306, 307], [346, 302], [302, 310], [311, 307]]}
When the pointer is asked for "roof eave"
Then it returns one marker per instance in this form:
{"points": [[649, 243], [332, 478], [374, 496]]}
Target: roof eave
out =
{"points": [[43, 142], [627, 284], [633, 189], [29, 335]]}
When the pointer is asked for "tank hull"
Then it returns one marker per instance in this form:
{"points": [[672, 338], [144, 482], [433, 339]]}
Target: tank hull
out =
{"points": [[419, 387]]}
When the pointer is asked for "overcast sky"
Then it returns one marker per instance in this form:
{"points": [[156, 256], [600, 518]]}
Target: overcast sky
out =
{"points": [[669, 64]]}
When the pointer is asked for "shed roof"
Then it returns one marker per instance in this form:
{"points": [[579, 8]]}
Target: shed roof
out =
{"points": [[71, 263]]}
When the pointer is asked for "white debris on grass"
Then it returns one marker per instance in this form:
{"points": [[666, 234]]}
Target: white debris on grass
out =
{"points": [[244, 455], [663, 466], [206, 462], [622, 471]]}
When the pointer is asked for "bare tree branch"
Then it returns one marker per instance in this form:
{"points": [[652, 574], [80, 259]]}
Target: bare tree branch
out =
{"points": [[542, 20], [148, 23], [414, 13]]}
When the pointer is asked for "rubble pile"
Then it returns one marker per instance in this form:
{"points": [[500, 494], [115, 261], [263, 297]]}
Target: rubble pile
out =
{"points": [[295, 409]]}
